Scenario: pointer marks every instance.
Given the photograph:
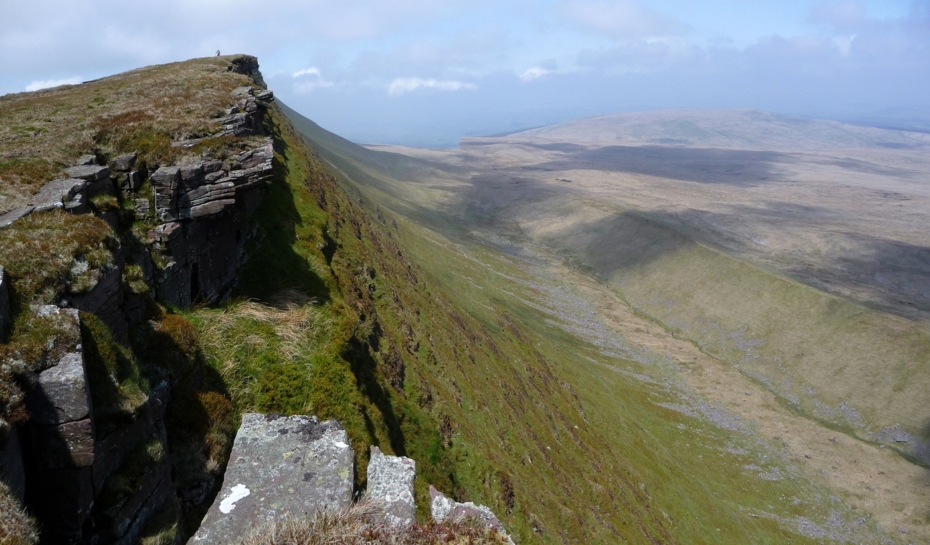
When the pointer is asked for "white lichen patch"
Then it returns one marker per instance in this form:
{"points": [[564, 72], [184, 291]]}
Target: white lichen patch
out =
{"points": [[229, 502]]}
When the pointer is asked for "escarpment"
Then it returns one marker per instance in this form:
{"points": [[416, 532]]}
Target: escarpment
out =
{"points": [[102, 395], [132, 337]]}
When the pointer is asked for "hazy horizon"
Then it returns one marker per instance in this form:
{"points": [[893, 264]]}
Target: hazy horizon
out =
{"points": [[425, 73]]}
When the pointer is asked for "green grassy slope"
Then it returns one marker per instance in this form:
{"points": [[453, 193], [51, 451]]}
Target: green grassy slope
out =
{"points": [[564, 440], [859, 370]]}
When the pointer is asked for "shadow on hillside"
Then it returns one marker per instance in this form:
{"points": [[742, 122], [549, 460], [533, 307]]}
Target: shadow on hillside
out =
{"points": [[274, 264], [364, 367], [895, 274], [888, 275], [199, 418], [703, 165]]}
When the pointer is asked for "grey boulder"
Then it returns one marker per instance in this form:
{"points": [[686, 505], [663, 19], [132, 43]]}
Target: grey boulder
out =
{"points": [[280, 466], [90, 173], [446, 509], [390, 483]]}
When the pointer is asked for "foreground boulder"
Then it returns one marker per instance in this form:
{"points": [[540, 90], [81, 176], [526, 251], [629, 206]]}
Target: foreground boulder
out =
{"points": [[390, 482], [279, 467]]}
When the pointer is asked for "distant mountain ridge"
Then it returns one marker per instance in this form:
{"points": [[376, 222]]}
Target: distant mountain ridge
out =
{"points": [[740, 129]]}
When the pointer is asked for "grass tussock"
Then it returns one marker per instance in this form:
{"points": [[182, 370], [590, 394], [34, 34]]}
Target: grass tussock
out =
{"points": [[265, 351], [360, 525], [56, 253], [16, 526]]}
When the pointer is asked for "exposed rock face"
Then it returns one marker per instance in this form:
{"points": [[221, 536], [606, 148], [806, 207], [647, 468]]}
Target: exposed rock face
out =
{"points": [[203, 189], [68, 464], [247, 115], [248, 65], [4, 304], [69, 194], [280, 466], [8, 218], [390, 481], [198, 223], [60, 440], [443, 508]]}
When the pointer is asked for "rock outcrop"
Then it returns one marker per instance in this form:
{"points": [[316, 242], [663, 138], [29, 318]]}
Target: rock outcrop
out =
{"points": [[280, 466], [188, 241], [59, 439], [69, 464], [390, 483], [443, 509], [204, 210]]}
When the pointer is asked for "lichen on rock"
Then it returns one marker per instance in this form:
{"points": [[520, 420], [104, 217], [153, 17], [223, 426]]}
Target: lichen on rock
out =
{"points": [[280, 467]]}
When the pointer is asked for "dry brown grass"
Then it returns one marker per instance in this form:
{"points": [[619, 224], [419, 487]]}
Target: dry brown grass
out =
{"points": [[290, 314], [16, 527], [360, 524], [53, 253], [140, 111]]}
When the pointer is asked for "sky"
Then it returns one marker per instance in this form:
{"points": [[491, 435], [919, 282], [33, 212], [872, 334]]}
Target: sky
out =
{"points": [[429, 72]]}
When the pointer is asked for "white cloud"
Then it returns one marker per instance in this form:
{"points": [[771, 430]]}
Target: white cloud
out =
{"points": [[310, 79], [46, 84], [405, 85], [534, 73], [307, 86], [312, 71]]}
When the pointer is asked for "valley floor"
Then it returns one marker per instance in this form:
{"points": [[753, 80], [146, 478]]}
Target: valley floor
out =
{"points": [[876, 481]]}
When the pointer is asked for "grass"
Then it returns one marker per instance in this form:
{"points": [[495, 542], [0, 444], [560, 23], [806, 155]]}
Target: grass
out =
{"points": [[118, 388], [55, 253], [854, 368], [360, 525], [361, 304], [52, 257], [16, 526]]}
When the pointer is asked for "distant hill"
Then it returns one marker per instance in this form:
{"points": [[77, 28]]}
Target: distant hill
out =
{"points": [[741, 129]]}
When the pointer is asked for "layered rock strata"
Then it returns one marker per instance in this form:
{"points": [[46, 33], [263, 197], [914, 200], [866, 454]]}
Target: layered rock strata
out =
{"points": [[280, 466], [67, 463]]}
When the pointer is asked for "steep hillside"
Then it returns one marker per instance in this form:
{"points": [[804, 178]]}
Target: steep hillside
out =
{"points": [[598, 417], [788, 287]]}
